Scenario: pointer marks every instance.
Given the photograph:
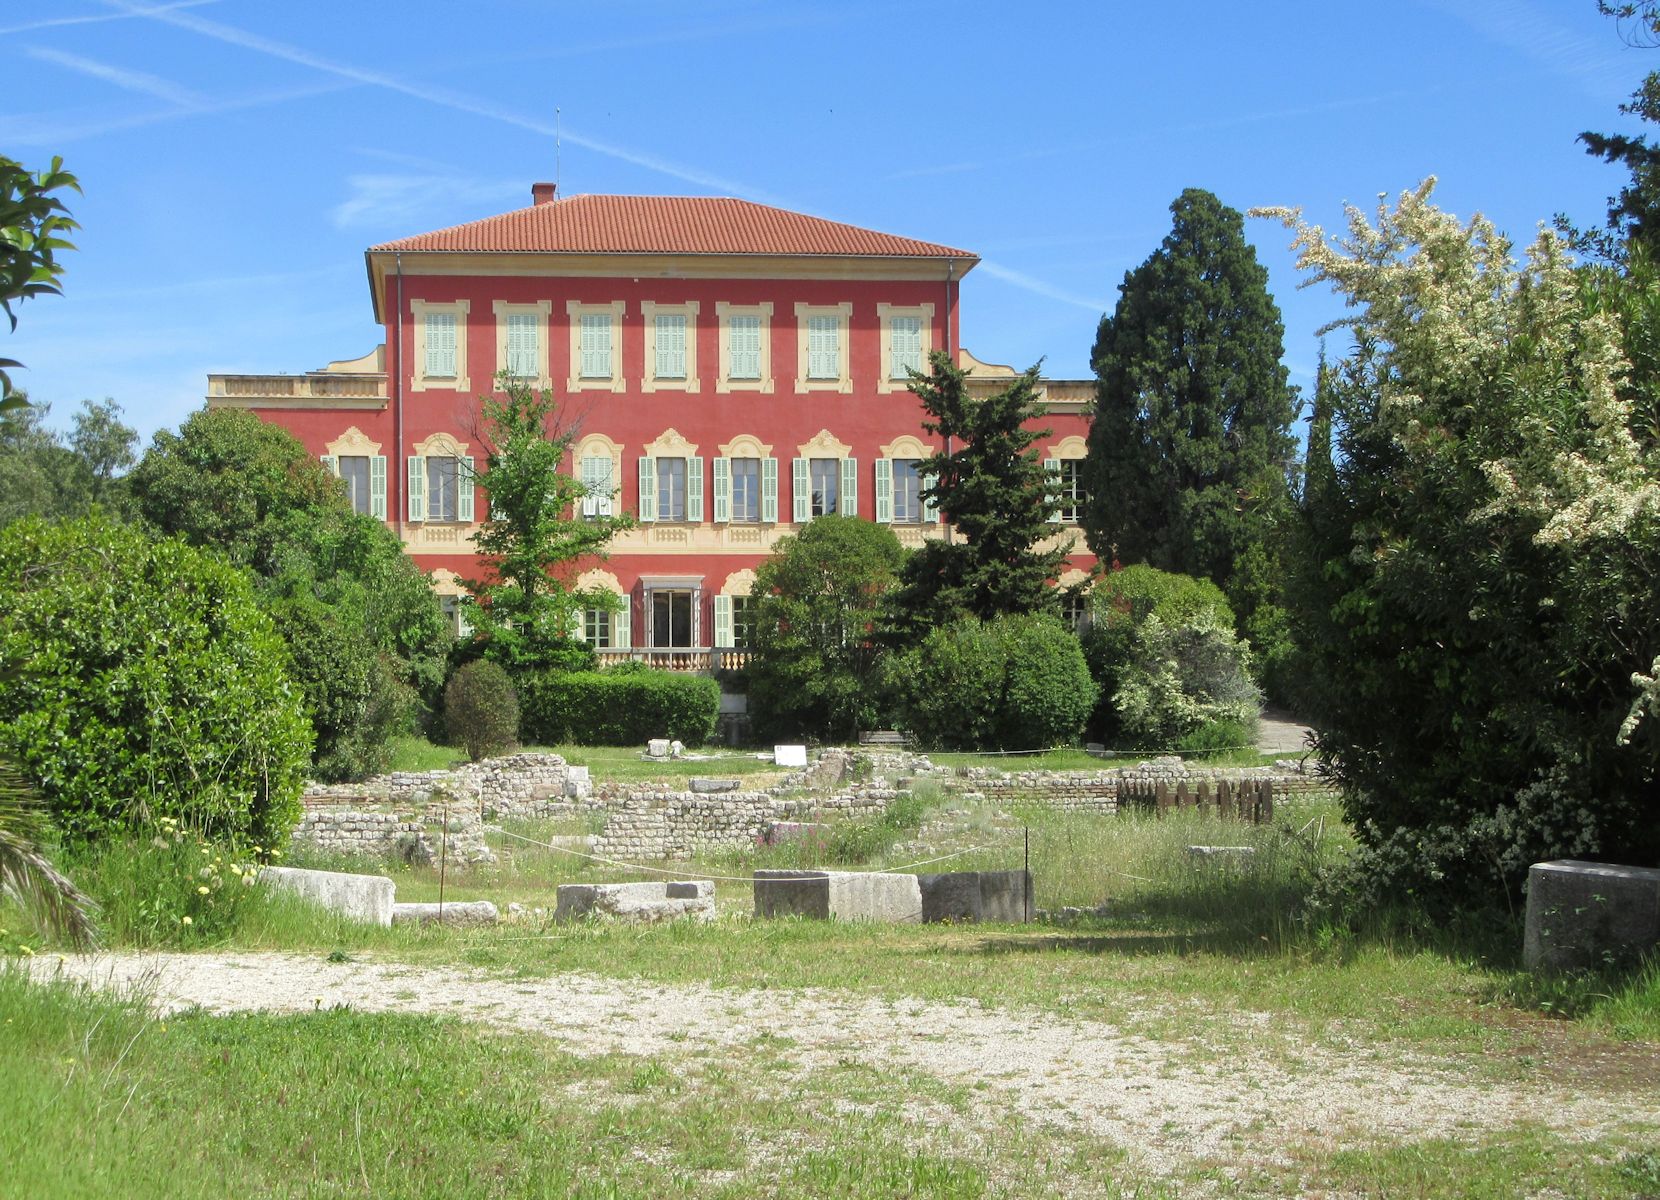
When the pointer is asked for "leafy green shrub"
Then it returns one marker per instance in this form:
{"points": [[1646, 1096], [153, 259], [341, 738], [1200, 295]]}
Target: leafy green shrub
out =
{"points": [[621, 707], [1180, 678], [1016, 682], [1217, 737], [481, 709], [140, 680]]}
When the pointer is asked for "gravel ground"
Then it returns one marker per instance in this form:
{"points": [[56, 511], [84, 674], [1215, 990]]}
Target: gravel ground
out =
{"points": [[1174, 1103]]}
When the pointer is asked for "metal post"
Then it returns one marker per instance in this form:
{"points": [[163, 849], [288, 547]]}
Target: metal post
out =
{"points": [[443, 856], [1027, 883]]}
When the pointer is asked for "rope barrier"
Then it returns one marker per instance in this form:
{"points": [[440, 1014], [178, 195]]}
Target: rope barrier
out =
{"points": [[617, 862]]}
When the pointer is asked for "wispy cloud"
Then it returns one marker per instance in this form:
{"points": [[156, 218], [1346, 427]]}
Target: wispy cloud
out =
{"points": [[379, 201], [1040, 288], [1599, 67], [58, 130], [94, 18], [133, 81], [442, 97]]}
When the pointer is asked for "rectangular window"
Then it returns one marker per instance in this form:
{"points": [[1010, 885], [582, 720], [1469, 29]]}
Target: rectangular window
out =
{"points": [[746, 489], [1070, 491], [443, 490], [744, 348], [1075, 610], [354, 473], [524, 359], [824, 476], [671, 346], [440, 345], [905, 334], [907, 491], [596, 627], [671, 489], [743, 621], [597, 484], [671, 618], [595, 346], [824, 348]]}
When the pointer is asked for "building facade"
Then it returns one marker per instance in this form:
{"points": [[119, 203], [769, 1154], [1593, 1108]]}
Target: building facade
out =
{"points": [[730, 371]]}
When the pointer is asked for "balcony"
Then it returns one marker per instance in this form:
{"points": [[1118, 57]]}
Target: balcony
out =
{"points": [[678, 658], [316, 389]]}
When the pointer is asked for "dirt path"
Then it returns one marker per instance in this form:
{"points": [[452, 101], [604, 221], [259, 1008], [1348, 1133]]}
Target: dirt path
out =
{"points": [[1279, 733], [1172, 1102]]}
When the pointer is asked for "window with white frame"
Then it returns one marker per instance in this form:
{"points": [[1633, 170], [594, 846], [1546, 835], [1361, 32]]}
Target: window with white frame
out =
{"points": [[598, 485], [596, 332], [671, 489], [904, 347], [907, 491], [595, 346], [822, 354], [743, 621], [743, 348], [1066, 482], [824, 478], [1075, 608], [443, 487], [669, 353], [353, 470], [823, 486], [524, 352], [907, 337], [596, 627], [439, 357], [746, 490]]}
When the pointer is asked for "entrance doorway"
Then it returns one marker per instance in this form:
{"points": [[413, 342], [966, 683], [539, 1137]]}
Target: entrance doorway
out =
{"points": [[671, 617]]}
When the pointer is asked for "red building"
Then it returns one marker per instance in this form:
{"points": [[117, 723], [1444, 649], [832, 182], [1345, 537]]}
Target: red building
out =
{"points": [[732, 371]]}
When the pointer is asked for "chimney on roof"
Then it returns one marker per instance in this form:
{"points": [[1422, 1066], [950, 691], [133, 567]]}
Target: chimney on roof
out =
{"points": [[542, 193]]}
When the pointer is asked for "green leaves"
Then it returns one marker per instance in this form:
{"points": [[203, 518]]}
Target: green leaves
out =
{"points": [[31, 222]]}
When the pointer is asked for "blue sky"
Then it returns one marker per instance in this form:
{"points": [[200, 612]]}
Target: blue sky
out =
{"points": [[238, 156]]}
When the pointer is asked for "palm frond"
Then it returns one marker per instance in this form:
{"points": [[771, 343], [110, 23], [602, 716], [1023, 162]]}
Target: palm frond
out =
{"points": [[27, 875]]}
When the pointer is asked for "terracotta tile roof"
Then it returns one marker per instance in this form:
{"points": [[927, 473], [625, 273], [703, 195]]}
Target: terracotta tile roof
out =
{"points": [[667, 225]]}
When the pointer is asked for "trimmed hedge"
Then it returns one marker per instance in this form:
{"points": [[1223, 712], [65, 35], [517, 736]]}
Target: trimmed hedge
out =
{"points": [[626, 706], [139, 680]]}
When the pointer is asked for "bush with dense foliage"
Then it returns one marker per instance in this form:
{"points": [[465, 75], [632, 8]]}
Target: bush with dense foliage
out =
{"points": [[1012, 683], [1121, 603], [623, 706], [139, 679], [816, 668], [481, 709], [1478, 608], [1181, 678], [368, 640]]}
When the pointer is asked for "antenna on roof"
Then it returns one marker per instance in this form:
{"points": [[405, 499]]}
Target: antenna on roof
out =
{"points": [[556, 150]]}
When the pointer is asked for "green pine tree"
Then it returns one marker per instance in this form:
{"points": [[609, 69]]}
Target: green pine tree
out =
{"points": [[1191, 443], [994, 492]]}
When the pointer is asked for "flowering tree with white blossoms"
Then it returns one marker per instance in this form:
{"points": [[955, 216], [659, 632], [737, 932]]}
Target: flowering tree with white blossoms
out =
{"points": [[1478, 602]]}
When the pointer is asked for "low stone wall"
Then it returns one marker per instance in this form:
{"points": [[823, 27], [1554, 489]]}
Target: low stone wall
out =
{"points": [[658, 822], [412, 836], [514, 786]]}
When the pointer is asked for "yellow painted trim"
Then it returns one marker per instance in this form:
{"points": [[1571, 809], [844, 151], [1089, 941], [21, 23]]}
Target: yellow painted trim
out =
{"points": [[543, 311], [574, 311], [1069, 447], [1072, 577], [419, 380], [739, 583], [885, 313], [906, 446], [352, 444], [670, 444], [446, 582], [824, 445], [724, 313], [442, 444], [650, 310], [301, 403], [597, 579], [843, 313], [745, 445]]}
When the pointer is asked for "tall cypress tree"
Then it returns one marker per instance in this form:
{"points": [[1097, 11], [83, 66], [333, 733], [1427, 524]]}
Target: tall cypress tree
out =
{"points": [[994, 491], [1191, 443]]}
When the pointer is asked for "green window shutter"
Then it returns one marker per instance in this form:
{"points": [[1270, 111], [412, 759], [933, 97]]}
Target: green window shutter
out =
{"points": [[621, 626], [743, 344], [769, 490], [329, 465], [590, 487], [671, 346], [1052, 468], [847, 504], [417, 487], [648, 489], [595, 346], [801, 492], [823, 351], [930, 506], [605, 474], [884, 491], [723, 490], [905, 341], [440, 344], [377, 486], [466, 486], [694, 490], [723, 620], [578, 625], [463, 627], [523, 359]]}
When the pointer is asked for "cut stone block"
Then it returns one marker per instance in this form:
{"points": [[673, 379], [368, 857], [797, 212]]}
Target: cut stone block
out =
{"points": [[640, 902], [976, 896], [789, 831], [841, 895], [1223, 854], [658, 747], [366, 898], [705, 786], [1582, 914], [455, 912], [578, 783], [789, 756]]}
